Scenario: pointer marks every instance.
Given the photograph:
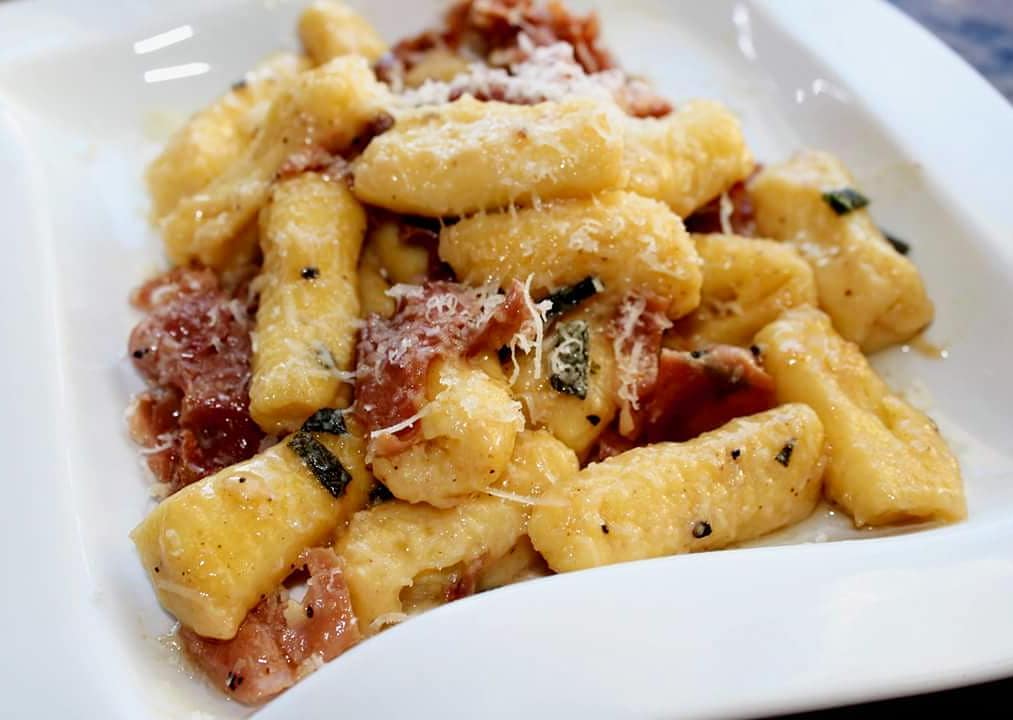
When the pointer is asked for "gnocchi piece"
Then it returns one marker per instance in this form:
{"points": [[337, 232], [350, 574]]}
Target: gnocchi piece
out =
{"points": [[874, 295], [324, 108], [578, 422], [629, 242], [888, 463], [747, 283], [213, 138], [401, 557], [216, 547], [687, 158], [402, 261], [467, 156], [329, 29], [438, 64], [374, 283], [468, 428], [312, 232], [752, 476], [522, 562]]}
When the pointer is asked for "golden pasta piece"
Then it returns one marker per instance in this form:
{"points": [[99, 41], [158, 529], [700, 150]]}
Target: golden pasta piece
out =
{"points": [[438, 64], [688, 158], [214, 137], [752, 476], [630, 243], [373, 284], [874, 295], [402, 558], [747, 283], [216, 547], [330, 29], [324, 108], [467, 156], [311, 233], [539, 462], [888, 462], [390, 547], [577, 421], [468, 427], [522, 562], [401, 261]]}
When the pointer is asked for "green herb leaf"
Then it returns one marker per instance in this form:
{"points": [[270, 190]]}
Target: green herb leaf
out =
{"points": [[321, 462], [845, 200], [568, 359], [899, 245], [570, 297], [326, 420]]}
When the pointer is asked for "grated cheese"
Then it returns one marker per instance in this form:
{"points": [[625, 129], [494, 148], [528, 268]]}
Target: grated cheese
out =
{"points": [[632, 360], [548, 73], [391, 618], [523, 499], [726, 208], [403, 425], [531, 335]]}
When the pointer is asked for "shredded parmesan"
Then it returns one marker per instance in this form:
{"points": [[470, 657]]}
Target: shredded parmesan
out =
{"points": [[548, 73], [398, 427], [391, 618], [165, 442], [173, 588], [631, 358], [522, 499], [531, 335], [726, 208]]}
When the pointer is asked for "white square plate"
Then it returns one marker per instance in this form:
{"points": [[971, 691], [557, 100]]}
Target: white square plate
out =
{"points": [[747, 631]]}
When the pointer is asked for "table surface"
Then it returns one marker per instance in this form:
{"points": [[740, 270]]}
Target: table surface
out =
{"points": [[979, 30]]}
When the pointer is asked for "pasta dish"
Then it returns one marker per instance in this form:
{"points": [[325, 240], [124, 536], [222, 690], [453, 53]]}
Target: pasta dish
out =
{"points": [[480, 307]]}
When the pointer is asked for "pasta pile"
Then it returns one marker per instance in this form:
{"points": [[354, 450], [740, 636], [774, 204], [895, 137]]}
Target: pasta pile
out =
{"points": [[436, 324]]}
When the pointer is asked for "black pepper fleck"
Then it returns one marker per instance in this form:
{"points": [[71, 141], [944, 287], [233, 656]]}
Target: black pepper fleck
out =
{"points": [[233, 680], [309, 273], [242, 479], [138, 354], [755, 349], [702, 529], [309, 611], [593, 419], [696, 354], [605, 528], [736, 454], [784, 456]]}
